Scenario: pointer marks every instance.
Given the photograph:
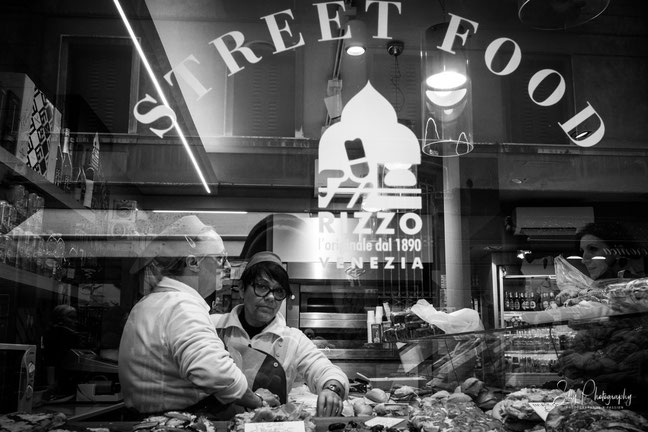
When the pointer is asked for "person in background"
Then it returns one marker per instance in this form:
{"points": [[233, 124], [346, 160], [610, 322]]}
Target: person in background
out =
{"points": [[61, 336], [608, 251], [170, 356], [270, 353]]}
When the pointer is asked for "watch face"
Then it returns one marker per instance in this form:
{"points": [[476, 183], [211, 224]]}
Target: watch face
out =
{"points": [[334, 388]]}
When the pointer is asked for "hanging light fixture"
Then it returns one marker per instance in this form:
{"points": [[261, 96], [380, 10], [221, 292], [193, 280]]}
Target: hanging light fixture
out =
{"points": [[447, 120], [559, 14], [356, 43]]}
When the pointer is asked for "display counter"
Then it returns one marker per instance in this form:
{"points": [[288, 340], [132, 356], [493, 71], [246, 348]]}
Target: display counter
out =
{"points": [[76, 412], [321, 424], [602, 359]]}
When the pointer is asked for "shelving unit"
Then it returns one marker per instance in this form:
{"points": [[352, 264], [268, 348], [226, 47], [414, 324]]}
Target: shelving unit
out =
{"points": [[504, 283], [14, 171], [17, 168]]}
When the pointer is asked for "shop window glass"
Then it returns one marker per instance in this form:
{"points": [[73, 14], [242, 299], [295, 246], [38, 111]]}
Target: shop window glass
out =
{"points": [[399, 81], [263, 97], [98, 76], [529, 122]]}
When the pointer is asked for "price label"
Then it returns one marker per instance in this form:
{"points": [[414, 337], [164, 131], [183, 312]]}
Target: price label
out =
{"points": [[384, 421], [542, 408], [292, 426]]}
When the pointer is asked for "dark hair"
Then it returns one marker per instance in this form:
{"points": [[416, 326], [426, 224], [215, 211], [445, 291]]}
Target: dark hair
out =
{"points": [[270, 270], [620, 245], [612, 233]]}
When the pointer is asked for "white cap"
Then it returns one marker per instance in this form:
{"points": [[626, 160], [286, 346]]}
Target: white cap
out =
{"points": [[178, 240]]}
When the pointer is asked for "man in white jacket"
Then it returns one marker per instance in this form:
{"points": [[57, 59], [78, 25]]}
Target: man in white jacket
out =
{"points": [[270, 353], [170, 357]]}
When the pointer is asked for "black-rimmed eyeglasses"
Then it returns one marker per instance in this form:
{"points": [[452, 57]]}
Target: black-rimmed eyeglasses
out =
{"points": [[262, 290], [220, 259]]}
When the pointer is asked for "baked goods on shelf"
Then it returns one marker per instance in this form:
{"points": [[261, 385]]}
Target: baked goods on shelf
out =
{"points": [[175, 421], [358, 426], [622, 295], [579, 418], [516, 412], [611, 352], [629, 297], [582, 298], [445, 411], [392, 409], [377, 395], [361, 407], [405, 401], [31, 422], [283, 413]]}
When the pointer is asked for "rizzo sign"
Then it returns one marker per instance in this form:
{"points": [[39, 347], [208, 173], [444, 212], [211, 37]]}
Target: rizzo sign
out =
{"points": [[376, 157], [232, 50]]}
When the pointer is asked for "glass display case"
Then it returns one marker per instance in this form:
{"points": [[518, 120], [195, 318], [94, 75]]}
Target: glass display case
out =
{"points": [[600, 356]]}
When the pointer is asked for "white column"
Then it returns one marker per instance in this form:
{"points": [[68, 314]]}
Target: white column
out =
{"points": [[457, 253]]}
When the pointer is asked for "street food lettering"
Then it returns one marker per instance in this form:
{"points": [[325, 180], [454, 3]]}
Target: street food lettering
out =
{"points": [[232, 49], [156, 113]]}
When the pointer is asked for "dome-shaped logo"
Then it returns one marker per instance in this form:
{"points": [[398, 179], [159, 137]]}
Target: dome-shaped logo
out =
{"points": [[368, 155]]}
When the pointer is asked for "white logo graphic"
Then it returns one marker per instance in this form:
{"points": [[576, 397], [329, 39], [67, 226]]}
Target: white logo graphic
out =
{"points": [[375, 154]]}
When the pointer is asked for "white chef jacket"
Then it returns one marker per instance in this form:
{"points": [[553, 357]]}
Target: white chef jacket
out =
{"points": [[297, 354], [170, 356]]}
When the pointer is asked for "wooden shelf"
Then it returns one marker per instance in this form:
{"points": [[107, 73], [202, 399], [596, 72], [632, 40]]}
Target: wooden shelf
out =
{"points": [[37, 181]]}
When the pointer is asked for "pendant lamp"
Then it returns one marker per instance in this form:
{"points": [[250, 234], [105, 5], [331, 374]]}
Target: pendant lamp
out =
{"points": [[447, 94]]}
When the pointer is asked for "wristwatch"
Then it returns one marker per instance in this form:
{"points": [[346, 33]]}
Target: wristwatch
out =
{"points": [[334, 388]]}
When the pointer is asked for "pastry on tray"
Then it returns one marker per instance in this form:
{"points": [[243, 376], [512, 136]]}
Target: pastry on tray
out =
{"points": [[282, 413], [32, 422], [445, 412], [580, 418], [175, 420]]}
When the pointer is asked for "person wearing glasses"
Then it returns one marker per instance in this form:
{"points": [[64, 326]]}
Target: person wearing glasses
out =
{"points": [[270, 353], [170, 356]]}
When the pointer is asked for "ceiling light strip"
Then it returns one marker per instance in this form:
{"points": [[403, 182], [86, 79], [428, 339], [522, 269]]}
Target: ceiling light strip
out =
{"points": [[163, 99]]}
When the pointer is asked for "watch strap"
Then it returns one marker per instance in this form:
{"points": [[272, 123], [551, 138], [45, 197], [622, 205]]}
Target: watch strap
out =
{"points": [[263, 402]]}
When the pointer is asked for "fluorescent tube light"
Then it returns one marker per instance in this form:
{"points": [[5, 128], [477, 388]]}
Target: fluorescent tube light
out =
{"points": [[163, 99]]}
